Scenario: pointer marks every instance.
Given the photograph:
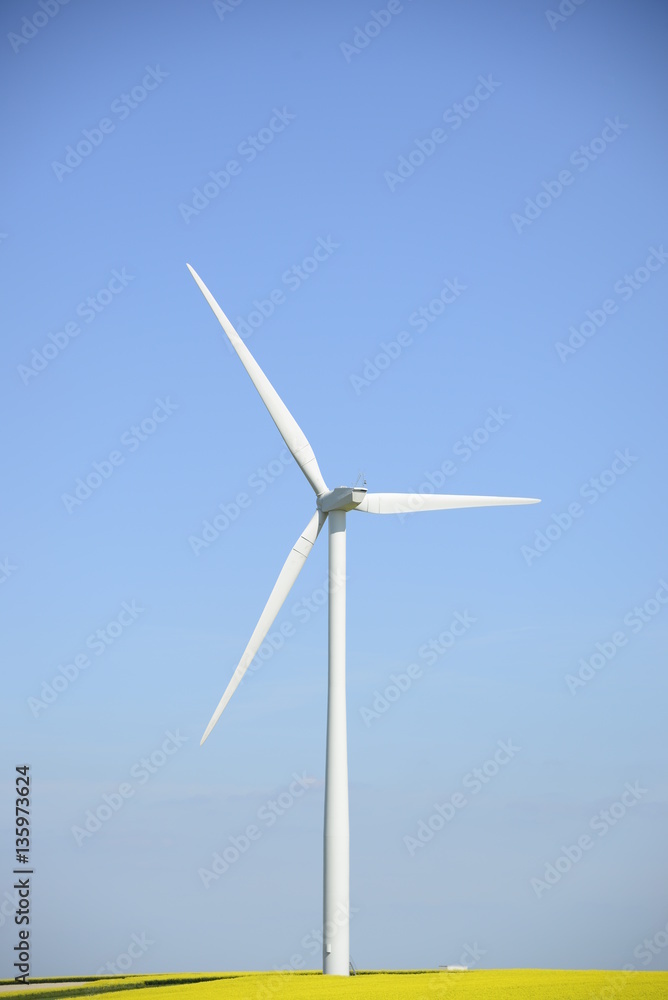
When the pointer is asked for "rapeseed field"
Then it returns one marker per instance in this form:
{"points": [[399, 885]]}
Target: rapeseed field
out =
{"points": [[500, 984]]}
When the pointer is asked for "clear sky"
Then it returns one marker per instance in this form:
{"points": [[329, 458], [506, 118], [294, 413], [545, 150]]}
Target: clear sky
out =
{"points": [[441, 227]]}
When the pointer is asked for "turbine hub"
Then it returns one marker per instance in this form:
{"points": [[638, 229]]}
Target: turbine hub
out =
{"points": [[342, 498]]}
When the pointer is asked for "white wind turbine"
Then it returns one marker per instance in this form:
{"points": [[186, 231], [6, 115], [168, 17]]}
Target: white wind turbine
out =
{"points": [[332, 504]]}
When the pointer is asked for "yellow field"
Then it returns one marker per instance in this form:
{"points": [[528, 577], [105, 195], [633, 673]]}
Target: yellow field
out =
{"points": [[504, 984]]}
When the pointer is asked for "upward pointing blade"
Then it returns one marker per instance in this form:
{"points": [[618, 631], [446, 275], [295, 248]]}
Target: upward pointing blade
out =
{"points": [[286, 578], [407, 503], [290, 430]]}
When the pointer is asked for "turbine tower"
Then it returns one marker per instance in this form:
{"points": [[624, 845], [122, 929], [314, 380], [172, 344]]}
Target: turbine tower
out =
{"points": [[333, 505]]}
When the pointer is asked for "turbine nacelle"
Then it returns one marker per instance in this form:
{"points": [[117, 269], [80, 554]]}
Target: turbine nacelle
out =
{"points": [[341, 498]]}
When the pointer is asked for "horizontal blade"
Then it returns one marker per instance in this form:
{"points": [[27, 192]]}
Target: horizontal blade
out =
{"points": [[407, 503], [286, 578], [290, 430]]}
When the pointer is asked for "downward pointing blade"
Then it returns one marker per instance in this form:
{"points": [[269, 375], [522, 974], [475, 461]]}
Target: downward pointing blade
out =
{"points": [[407, 503], [290, 430], [286, 578]]}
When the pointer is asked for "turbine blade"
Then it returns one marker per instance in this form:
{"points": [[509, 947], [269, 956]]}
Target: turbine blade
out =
{"points": [[407, 503], [286, 578], [290, 430]]}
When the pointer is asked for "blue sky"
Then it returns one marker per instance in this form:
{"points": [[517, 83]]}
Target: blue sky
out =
{"points": [[515, 157]]}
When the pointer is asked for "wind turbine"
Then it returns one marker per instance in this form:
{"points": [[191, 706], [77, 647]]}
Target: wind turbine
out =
{"points": [[333, 504]]}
